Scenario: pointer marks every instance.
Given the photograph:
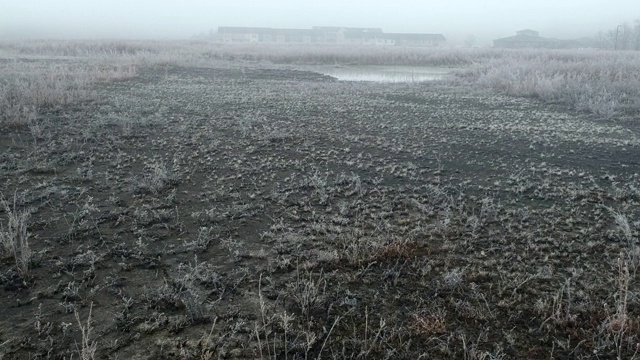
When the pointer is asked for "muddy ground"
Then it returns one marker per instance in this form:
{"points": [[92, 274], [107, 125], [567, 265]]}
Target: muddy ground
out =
{"points": [[247, 212]]}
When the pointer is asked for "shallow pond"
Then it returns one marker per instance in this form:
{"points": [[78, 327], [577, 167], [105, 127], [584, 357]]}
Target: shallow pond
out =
{"points": [[389, 74]]}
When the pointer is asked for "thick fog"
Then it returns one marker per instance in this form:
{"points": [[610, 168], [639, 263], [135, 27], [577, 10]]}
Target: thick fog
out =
{"points": [[171, 19]]}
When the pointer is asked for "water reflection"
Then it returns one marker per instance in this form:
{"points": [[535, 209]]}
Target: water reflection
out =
{"points": [[388, 74]]}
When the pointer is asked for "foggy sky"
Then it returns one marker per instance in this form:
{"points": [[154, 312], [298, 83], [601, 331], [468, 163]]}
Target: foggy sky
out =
{"points": [[165, 19]]}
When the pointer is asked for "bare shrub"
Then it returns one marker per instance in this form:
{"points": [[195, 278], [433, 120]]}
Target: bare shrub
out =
{"points": [[157, 178]]}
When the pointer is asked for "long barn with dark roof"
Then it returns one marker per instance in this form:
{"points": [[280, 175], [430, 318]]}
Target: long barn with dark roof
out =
{"points": [[326, 35]]}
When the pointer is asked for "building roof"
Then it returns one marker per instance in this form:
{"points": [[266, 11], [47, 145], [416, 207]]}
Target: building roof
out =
{"points": [[349, 33], [528, 32], [307, 32], [265, 31], [367, 30], [526, 35], [352, 34], [347, 29], [523, 38], [539, 41], [415, 37]]}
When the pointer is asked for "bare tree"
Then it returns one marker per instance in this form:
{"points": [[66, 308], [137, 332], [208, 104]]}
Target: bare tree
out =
{"points": [[636, 34], [625, 36]]}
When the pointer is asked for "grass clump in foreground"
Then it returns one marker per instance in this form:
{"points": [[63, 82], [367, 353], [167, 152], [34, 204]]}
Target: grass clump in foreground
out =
{"points": [[14, 236]]}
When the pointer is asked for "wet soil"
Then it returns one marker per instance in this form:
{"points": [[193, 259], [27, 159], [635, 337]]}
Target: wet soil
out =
{"points": [[249, 212]]}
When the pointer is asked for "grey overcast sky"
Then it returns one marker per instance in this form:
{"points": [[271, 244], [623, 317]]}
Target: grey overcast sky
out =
{"points": [[456, 19]]}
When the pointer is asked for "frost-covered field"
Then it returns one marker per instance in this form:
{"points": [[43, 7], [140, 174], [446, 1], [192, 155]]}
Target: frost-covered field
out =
{"points": [[605, 83], [193, 201]]}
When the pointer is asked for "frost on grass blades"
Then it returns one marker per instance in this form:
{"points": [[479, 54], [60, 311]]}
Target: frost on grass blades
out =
{"points": [[605, 83], [190, 200], [30, 87], [601, 82]]}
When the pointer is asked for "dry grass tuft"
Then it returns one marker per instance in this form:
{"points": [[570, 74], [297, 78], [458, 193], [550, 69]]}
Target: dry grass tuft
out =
{"points": [[88, 347], [14, 237]]}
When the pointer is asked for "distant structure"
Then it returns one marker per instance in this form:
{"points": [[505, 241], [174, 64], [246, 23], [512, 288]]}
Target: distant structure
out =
{"points": [[337, 34], [229, 34], [393, 39], [532, 39], [326, 35]]}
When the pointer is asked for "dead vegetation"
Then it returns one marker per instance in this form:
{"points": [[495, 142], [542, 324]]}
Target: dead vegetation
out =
{"points": [[273, 213]]}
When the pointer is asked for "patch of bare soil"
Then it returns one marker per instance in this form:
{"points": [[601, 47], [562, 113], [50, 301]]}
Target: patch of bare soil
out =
{"points": [[262, 213]]}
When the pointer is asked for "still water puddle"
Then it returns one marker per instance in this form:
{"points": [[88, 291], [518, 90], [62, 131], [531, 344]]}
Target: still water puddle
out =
{"points": [[386, 74]]}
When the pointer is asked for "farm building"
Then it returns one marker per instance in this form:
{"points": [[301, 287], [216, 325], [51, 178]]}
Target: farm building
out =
{"points": [[417, 39], [360, 36], [326, 35], [336, 34], [393, 39], [532, 39], [228, 34], [283, 36]]}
